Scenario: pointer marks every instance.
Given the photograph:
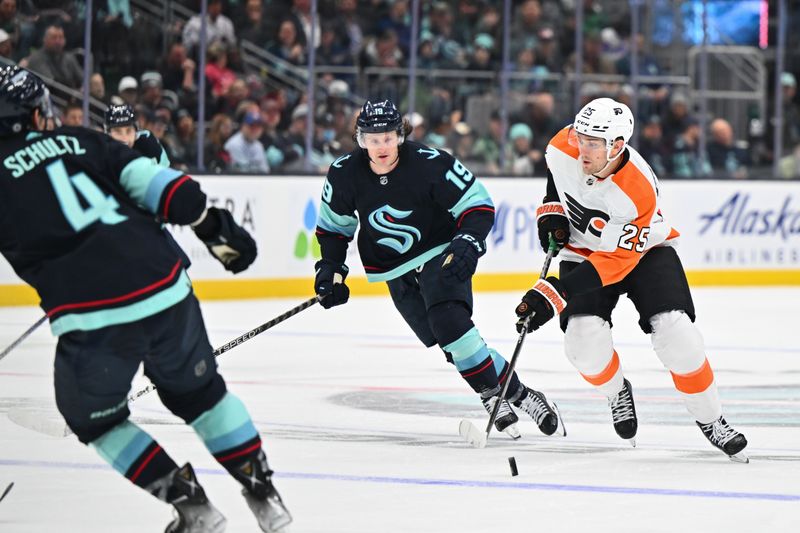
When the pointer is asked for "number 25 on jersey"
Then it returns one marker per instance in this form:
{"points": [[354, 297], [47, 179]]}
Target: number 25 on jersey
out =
{"points": [[626, 241], [101, 207]]}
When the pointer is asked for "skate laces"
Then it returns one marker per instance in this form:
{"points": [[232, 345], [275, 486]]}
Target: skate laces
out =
{"points": [[622, 406], [719, 431], [535, 405], [502, 411]]}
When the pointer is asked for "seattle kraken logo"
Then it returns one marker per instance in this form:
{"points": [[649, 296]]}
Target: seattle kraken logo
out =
{"points": [[384, 220], [584, 218]]}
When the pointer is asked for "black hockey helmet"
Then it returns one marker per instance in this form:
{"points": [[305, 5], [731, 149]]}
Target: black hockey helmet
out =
{"points": [[21, 93], [378, 117], [119, 115]]}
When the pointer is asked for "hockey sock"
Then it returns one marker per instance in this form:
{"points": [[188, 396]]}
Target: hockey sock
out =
{"points": [[134, 454], [481, 367], [229, 434]]}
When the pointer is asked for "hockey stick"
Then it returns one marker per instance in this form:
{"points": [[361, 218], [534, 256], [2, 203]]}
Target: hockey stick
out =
{"points": [[467, 429], [23, 337], [5, 492], [243, 338], [44, 422]]}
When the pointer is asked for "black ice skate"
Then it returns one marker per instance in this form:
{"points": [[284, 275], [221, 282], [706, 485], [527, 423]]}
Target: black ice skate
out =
{"points": [[194, 512], [726, 439], [544, 413], [506, 420], [261, 496], [623, 413]]}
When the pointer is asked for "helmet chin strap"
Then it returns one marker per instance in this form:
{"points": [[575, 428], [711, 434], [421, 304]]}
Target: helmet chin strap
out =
{"points": [[609, 160]]}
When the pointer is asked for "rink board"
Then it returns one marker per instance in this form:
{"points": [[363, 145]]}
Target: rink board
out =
{"points": [[732, 233]]}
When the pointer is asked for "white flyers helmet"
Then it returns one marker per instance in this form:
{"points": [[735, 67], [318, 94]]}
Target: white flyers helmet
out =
{"points": [[605, 118]]}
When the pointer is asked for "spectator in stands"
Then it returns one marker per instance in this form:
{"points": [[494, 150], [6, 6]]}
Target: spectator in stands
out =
{"points": [[246, 151], [277, 150], [97, 87], [218, 28], [462, 139], [178, 70], [183, 142], [487, 148], [548, 53], [522, 159], [72, 115], [398, 20], [594, 62], [428, 55], [652, 96], [330, 51], [482, 53], [128, 90], [6, 49], [253, 27], [217, 72], [300, 16], [686, 162], [789, 166], [726, 159], [652, 146], [216, 158], [452, 54], [526, 25], [237, 93], [152, 95], [19, 28], [349, 26], [674, 122], [287, 46], [791, 113], [439, 131], [541, 119], [53, 62], [417, 122]]}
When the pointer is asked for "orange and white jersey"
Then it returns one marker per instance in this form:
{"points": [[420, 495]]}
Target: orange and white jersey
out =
{"points": [[613, 221]]}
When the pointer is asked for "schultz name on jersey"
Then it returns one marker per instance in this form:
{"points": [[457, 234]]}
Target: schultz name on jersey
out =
{"points": [[407, 216], [94, 249]]}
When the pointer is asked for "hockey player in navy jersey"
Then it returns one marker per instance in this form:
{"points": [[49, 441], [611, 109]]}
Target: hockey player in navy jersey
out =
{"points": [[602, 207], [80, 221], [120, 123], [424, 220]]}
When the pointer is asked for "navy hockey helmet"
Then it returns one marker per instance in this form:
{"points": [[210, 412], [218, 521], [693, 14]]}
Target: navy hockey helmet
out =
{"points": [[21, 93], [379, 117], [118, 116]]}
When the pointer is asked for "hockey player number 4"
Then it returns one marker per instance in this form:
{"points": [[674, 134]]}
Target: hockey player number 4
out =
{"points": [[631, 230], [460, 177], [101, 207]]}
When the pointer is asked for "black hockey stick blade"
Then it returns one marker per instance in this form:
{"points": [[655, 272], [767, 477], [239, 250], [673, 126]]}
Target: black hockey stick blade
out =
{"points": [[5, 492]]}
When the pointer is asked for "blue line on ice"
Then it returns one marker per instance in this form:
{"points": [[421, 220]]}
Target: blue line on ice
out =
{"points": [[388, 480]]}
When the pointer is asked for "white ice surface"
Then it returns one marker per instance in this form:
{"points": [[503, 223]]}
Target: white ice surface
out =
{"points": [[360, 423]]}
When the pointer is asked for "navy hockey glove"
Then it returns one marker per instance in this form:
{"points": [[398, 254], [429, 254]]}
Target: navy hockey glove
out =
{"points": [[461, 257], [329, 283], [539, 302], [552, 220], [227, 241]]}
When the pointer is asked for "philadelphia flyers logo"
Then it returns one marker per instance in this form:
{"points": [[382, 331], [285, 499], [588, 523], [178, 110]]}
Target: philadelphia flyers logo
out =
{"points": [[585, 219]]}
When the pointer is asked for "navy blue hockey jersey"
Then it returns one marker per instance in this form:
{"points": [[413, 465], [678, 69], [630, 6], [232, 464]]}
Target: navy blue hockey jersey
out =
{"points": [[80, 221], [407, 216]]}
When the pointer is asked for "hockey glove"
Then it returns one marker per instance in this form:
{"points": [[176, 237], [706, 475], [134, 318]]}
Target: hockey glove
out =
{"points": [[461, 257], [227, 241], [540, 302], [329, 283], [552, 220]]}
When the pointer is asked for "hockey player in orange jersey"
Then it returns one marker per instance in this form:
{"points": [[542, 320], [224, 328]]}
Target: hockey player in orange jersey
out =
{"points": [[602, 210]]}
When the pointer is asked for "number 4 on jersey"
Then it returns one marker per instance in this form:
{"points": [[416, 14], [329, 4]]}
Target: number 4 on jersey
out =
{"points": [[101, 207]]}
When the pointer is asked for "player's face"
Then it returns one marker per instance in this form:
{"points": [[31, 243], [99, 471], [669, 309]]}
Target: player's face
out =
{"points": [[124, 134], [592, 153], [382, 147]]}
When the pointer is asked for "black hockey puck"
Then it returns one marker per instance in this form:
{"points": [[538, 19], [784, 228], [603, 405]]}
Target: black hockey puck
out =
{"points": [[512, 463]]}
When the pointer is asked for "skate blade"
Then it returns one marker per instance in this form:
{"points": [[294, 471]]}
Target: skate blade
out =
{"points": [[631, 441], [740, 457], [512, 431], [561, 430], [475, 437]]}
